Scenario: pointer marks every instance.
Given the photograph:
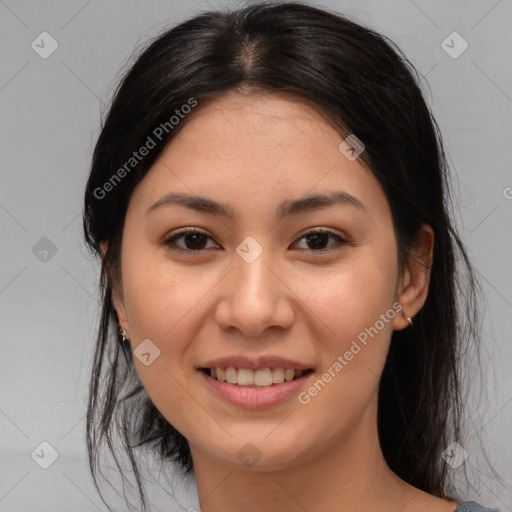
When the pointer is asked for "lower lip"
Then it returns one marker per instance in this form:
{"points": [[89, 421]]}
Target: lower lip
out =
{"points": [[255, 398]]}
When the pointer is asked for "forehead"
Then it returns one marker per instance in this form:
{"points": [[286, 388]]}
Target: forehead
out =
{"points": [[258, 117], [256, 147], [277, 105]]}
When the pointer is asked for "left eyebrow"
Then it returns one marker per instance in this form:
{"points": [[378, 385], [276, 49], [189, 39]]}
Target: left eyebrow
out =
{"points": [[338, 197], [285, 208]]}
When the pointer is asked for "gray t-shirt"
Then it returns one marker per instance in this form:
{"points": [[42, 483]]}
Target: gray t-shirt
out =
{"points": [[473, 506]]}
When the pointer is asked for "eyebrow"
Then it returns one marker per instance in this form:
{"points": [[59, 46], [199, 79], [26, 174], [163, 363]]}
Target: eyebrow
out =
{"points": [[285, 208]]}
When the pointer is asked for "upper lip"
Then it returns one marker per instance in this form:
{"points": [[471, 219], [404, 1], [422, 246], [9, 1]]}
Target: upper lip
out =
{"points": [[258, 363]]}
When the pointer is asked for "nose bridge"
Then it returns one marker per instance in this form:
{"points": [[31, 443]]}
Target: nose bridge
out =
{"points": [[253, 277], [253, 297]]}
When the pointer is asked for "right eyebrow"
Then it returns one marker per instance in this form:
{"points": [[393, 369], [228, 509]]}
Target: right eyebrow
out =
{"points": [[198, 203]]}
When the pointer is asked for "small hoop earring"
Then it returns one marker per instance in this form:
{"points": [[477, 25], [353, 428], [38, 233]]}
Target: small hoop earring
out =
{"points": [[407, 317]]}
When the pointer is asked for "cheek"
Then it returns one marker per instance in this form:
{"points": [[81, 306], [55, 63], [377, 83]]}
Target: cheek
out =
{"points": [[350, 297], [338, 305], [160, 307], [354, 314], [158, 296]]}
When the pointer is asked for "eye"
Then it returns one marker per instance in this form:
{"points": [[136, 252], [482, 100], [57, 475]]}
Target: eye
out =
{"points": [[317, 239], [193, 239], [196, 241]]}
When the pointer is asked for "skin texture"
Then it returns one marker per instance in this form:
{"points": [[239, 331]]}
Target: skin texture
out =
{"points": [[251, 151]]}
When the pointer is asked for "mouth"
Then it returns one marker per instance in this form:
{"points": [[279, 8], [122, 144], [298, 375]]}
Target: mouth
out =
{"points": [[255, 389], [262, 378]]}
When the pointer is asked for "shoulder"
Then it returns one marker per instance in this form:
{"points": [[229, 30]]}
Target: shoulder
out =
{"points": [[473, 506]]}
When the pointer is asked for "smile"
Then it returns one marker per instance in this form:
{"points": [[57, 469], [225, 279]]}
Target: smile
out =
{"points": [[264, 377], [254, 389]]}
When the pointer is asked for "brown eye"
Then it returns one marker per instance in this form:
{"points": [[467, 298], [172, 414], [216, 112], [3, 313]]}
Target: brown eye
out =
{"points": [[194, 240], [191, 240], [318, 240]]}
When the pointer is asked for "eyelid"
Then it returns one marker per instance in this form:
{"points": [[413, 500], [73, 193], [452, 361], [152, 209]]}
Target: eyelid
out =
{"points": [[329, 231]]}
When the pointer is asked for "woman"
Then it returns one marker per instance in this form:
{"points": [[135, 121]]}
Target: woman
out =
{"points": [[268, 196]]}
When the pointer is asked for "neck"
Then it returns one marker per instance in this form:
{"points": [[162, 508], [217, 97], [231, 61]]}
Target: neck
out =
{"points": [[346, 473]]}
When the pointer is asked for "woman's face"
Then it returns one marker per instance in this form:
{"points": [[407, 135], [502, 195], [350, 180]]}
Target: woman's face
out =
{"points": [[250, 283]]}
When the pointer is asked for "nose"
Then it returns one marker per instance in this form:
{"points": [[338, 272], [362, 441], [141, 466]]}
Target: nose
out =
{"points": [[255, 297]]}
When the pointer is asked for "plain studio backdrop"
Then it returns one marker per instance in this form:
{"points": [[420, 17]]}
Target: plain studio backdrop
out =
{"points": [[51, 95]]}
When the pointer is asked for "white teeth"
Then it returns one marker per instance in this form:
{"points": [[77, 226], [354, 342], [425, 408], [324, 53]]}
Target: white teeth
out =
{"points": [[231, 375], [288, 374], [247, 377], [277, 375], [264, 377]]}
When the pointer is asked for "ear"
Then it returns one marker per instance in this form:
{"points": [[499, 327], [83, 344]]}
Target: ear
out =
{"points": [[117, 298], [103, 249], [415, 280]]}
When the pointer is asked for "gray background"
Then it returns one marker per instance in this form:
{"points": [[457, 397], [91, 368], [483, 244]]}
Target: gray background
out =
{"points": [[50, 119]]}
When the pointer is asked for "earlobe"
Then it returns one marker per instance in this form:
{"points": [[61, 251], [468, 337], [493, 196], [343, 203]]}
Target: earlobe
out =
{"points": [[121, 317], [120, 309], [117, 301], [416, 278]]}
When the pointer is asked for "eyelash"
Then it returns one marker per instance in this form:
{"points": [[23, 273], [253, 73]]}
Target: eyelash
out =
{"points": [[170, 241]]}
